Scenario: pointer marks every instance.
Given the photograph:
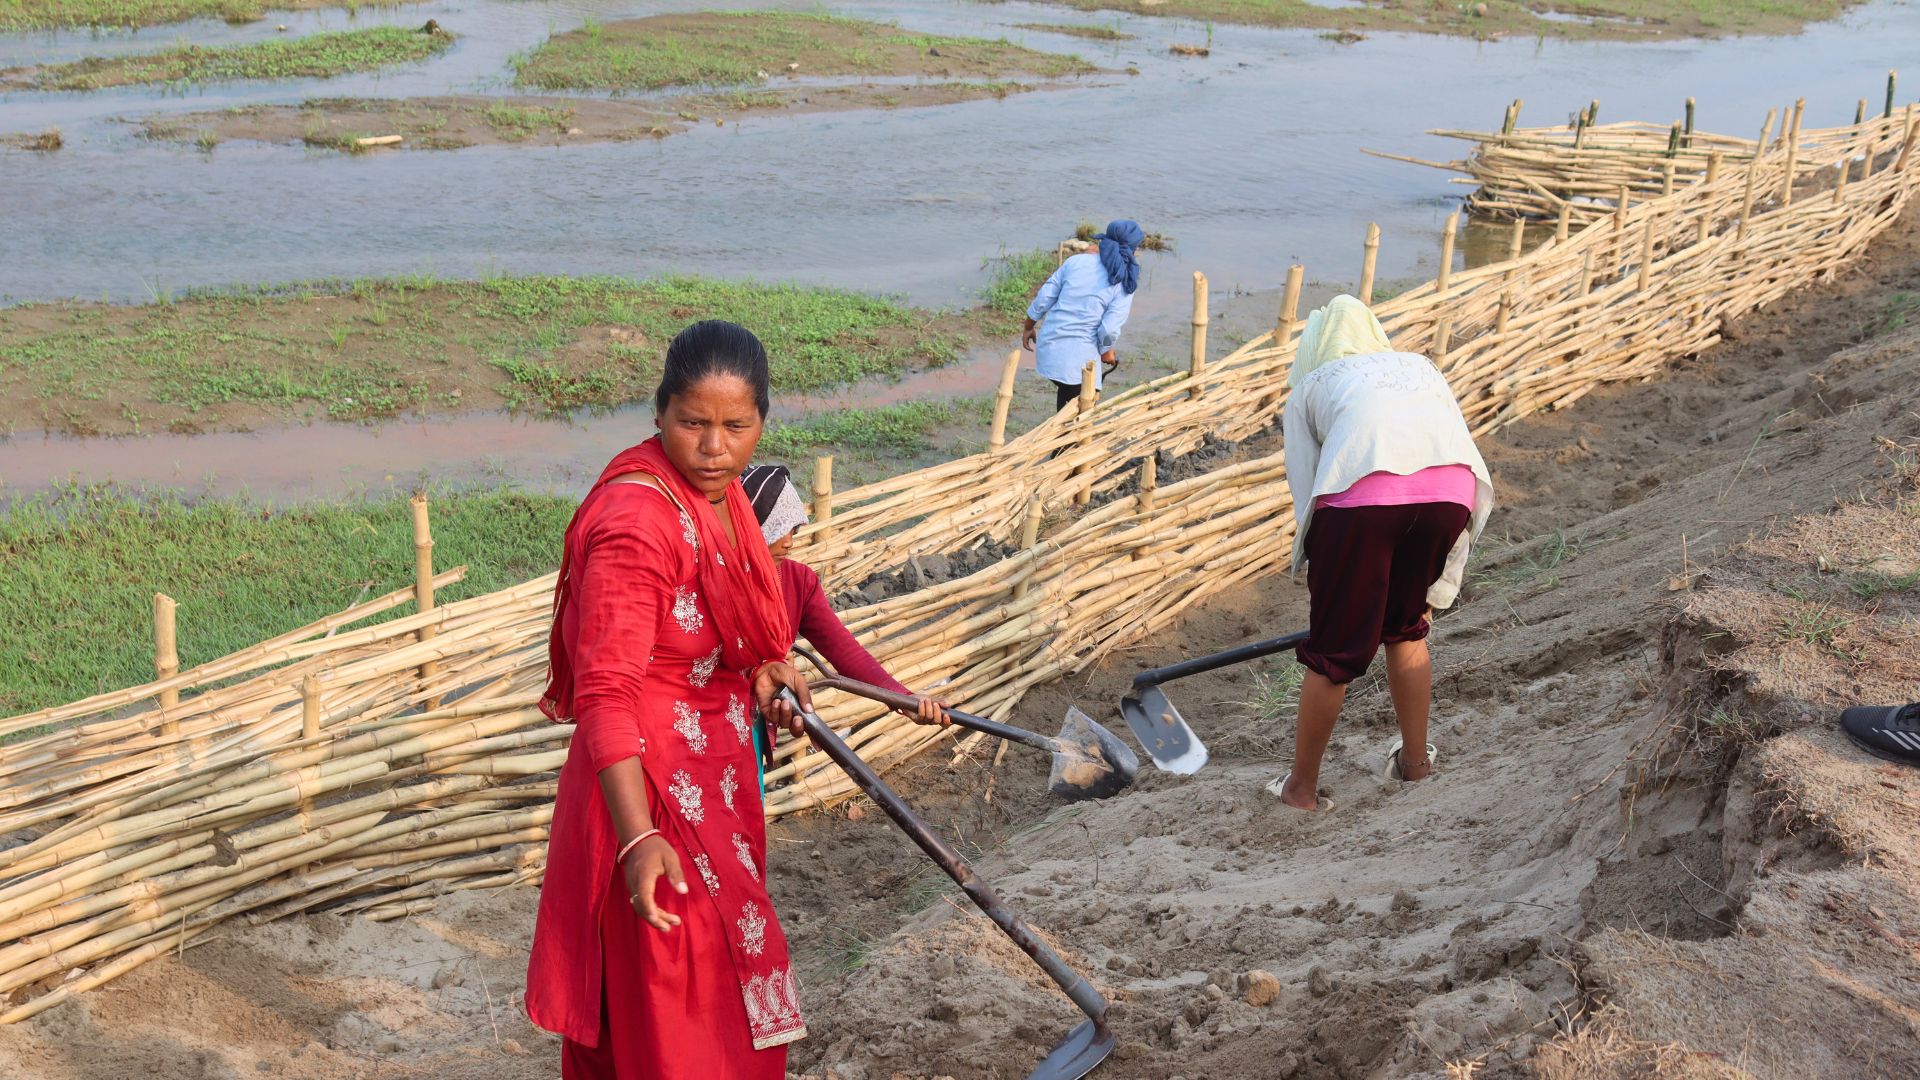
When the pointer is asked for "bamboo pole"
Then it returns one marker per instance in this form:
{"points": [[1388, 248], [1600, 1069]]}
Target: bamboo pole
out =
{"points": [[1646, 255], [822, 496], [1002, 402], [1562, 224], [166, 660], [1283, 333], [1370, 258], [1793, 153], [1688, 137], [1517, 242], [1029, 539], [423, 582], [1892, 77], [1197, 370], [1089, 395]]}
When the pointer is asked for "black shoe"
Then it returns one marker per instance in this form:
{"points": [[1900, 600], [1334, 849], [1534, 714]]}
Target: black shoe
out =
{"points": [[1885, 731]]}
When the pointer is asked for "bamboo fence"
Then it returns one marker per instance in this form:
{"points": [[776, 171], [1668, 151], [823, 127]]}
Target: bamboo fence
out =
{"points": [[376, 768], [1581, 173]]}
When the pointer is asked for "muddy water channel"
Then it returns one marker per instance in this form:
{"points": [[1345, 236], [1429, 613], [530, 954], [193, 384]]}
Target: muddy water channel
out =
{"points": [[1248, 158]]}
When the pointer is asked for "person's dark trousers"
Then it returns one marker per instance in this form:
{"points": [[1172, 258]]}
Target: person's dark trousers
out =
{"points": [[1064, 394]]}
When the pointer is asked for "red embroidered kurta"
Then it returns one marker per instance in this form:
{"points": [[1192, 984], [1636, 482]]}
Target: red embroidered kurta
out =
{"points": [[712, 999], [816, 621]]}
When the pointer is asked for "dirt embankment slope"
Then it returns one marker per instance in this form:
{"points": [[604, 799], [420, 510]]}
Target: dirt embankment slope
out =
{"points": [[1640, 808]]}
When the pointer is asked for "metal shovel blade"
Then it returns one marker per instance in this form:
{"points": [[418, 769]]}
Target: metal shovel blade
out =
{"points": [[1090, 762], [1163, 731], [1077, 1055]]}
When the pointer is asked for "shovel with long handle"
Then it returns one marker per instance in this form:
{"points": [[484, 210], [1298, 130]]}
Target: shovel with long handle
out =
{"points": [[1087, 1045], [1089, 762], [1169, 740]]}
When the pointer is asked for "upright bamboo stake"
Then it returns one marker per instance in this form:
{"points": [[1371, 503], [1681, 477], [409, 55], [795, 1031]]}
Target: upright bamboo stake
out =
{"points": [[1002, 402], [1706, 219], [1283, 330], [1793, 153], [1369, 260], [423, 581], [1688, 140], [1860, 112], [1089, 395], [1586, 272], [309, 726], [1892, 75], [1620, 208], [166, 659], [1646, 256], [1561, 227], [1197, 371], [822, 495], [1518, 240], [1029, 536], [1840, 184], [1746, 197], [1443, 326]]}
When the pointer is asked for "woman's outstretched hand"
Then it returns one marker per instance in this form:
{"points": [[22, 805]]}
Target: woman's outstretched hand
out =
{"points": [[931, 711], [767, 684], [645, 866]]}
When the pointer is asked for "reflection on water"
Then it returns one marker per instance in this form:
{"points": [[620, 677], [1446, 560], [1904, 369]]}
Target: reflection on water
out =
{"points": [[1249, 159]]}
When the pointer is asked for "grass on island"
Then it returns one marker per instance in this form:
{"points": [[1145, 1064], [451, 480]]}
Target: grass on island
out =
{"points": [[1079, 30], [316, 56], [45, 141], [1611, 19], [378, 348], [83, 565], [18, 15], [737, 48]]}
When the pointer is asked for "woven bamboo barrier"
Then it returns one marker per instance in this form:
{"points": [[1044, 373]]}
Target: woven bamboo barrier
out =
{"points": [[1583, 172], [376, 768]]}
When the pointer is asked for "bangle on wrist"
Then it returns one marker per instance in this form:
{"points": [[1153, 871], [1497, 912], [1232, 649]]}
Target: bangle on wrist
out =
{"points": [[627, 848]]}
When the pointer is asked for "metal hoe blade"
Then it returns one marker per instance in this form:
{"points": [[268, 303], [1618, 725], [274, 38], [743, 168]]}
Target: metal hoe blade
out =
{"points": [[1090, 762], [1077, 1055], [1163, 731]]}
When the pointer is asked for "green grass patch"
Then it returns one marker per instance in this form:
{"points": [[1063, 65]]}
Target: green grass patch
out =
{"points": [[1015, 279], [372, 348], [903, 428], [516, 122], [1901, 310], [316, 56], [735, 48], [83, 565]]}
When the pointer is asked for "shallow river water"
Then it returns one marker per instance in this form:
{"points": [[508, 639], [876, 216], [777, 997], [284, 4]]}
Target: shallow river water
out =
{"points": [[1250, 159]]}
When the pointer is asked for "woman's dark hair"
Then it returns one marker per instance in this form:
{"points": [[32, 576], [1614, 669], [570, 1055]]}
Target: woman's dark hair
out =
{"points": [[713, 347]]}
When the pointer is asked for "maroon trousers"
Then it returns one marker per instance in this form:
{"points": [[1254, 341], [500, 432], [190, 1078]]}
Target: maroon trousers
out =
{"points": [[1368, 572]]}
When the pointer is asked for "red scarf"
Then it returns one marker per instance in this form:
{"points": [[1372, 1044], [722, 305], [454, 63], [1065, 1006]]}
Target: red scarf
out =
{"points": [[742, 594]]}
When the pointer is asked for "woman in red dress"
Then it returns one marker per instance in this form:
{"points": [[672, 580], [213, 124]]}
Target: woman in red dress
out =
{"points": [[656, 953]]}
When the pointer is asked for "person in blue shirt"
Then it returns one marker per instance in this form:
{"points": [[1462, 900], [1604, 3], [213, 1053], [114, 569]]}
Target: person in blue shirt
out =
{"points": [[1078, 313]]}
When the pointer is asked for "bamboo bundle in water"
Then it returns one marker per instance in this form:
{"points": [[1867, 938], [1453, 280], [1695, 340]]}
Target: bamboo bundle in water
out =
{"points": [[377, 768]]}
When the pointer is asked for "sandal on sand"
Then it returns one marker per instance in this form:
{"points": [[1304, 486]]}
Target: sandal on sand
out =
{"points": [[1392, 771], [1274, 788]]}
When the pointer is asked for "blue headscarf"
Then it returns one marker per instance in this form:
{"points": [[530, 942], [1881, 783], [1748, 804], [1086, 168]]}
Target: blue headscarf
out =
{"points": [[1116, 253]]}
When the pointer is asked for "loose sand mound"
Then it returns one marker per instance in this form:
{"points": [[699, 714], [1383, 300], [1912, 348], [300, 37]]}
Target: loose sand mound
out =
{"points": [[1600, 841]]}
